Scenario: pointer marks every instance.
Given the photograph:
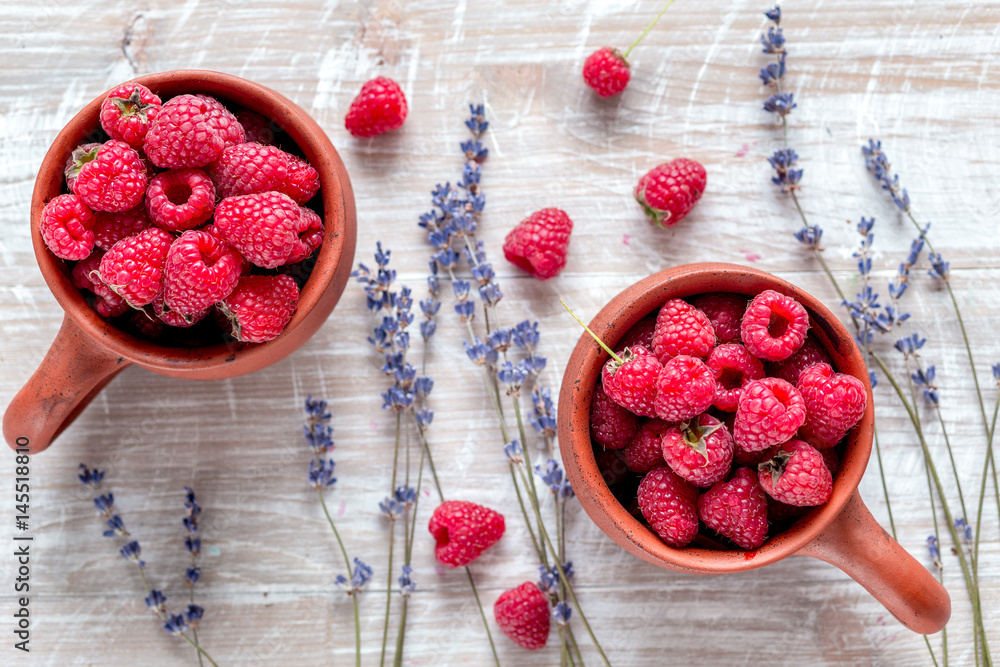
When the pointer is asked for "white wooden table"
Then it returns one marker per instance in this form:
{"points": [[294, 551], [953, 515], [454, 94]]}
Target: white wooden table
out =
{"points": [[922, 78]]}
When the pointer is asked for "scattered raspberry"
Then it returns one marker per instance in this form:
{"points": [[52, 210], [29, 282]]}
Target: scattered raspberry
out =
{"points": [[774, 326], [538, 244], [260, 307], [632, 384], [700, 451], [463, 531], [86, 276], [736, 509], [180, 199], [128, 111], [223, 121], [682, 329], [183, 134], [669, 505], [302, 182], [612, 466], [67, 227], [606, 71], [200, 270], [645, 452], [770, 412], [133, 267], [668, 192], [256, 128], [611, 425], [640, 334], [249, 168], [685, 388], [110, 177], [80, 156], [808, 355], [733, 368], [264, 227], [110, 228], [378, 108], [523, 615], [175, 319], [725, 312], [796, 475], [311, 233], [834, 403]]}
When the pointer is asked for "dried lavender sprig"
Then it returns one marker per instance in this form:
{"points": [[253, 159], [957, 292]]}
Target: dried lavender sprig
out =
{"points": [[192, 544]]}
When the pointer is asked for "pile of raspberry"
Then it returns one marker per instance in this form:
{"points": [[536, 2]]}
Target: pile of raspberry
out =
{"points": [[187, 209], [721, 419]]}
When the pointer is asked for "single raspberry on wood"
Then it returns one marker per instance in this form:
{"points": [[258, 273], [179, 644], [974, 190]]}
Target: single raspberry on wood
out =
{"points": [[796, 475], [128, 111], [67, 227], [185, 133], [463, 531], [810, 354], [180, 199], [259, 307], [86, 275], [733, 368], [725, 312], [539, 243], [264, 227], [684, 389], [774, 326], [645, 451], [668, 192], [611, 425], [669, 504], [770, 412], [200, 270], [682, 329], [111, 177], [631, 382], [699, 451], [379, 107], [835, 402], [249, 168], [523, 615], [110, 228], [736, 509], [606, 71], [133, 267]]}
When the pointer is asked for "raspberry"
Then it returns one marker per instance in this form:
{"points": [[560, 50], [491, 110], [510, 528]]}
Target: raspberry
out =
{"points": [[669, 191], [302, 182], [133, 267], [110, 228], [200, 270], [606, 71], [523, 615], [684, 389], [378, 108], [736, 509], [175, 319], [796, 475], [700, 451], [67, 227], [682, 329], [128, 111], [669, 505], [645, 452], [725, 312], [770, 412], [808, 355], [86, 276], [774, 326], [249, 168], [834, 403], [223, 121], [182, 135], [640, 334], [632, 383], [611, 425], [742, 457], [180, 199], [538, 244], [80, 155], [260, 307], [310, 235], [733, 368], [256, 128], [110, 177], [264, 227], [463, 531]]}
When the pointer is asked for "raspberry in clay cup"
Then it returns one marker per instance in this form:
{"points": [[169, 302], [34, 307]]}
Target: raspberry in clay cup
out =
{"points": [[840, 531]]}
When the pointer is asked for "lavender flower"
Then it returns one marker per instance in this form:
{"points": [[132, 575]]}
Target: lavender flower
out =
{"points": [[90, 478], [878, 166], [406, 582], [908, 345], [131, 552], [175, 624], [321, 473], [924, 379], [116, 527], [785, 177], [542, 417], [561, 612], [193, 615], [552, 475], [996, 373], [810, 236], [156, 601], [514, 452], [939, 268], [932, 547], [192, 575], [362, 575]]}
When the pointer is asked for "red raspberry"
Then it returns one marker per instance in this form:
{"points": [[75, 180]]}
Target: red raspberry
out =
{"points": [[669, 505], [684, 389], [245, 169], [111, 178], [669, 191], [725, 312], [770, 412], [110, 228], [640, 334], [606, 71], [200, 270], [612, 466], [260, 307], [378, 108], [183, 134], [834, 403], [133, 267], [682, 329], [175, 319], [700, 451], [86, 276], [645, 452], [180, 199], [831, 460], [264, 227], [311, 233], [302, 182], [736, 509], [742, 457], [774, 326], [256, 128], [523, 615], [463, 531], [81, 155], [808, 355], [128, 111], [632, 383], [538, 244], [67, 227], [733, 368], [796, 475], [220, 118], [611, 425]]}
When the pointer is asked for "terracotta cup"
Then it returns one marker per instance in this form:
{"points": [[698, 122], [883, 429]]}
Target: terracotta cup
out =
{"points": [[88, 351], [842, 531]]}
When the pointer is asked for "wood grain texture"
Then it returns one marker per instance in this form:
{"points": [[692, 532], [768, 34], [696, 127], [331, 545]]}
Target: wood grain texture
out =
{"points": [[922, 77]]}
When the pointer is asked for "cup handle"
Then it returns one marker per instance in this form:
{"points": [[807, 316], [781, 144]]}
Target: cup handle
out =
{"points": [[72, 373], [859, 546]]}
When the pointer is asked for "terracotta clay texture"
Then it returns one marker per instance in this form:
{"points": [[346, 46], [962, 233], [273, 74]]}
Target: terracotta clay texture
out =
{"points": [[88, 351], [842, 531]]}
